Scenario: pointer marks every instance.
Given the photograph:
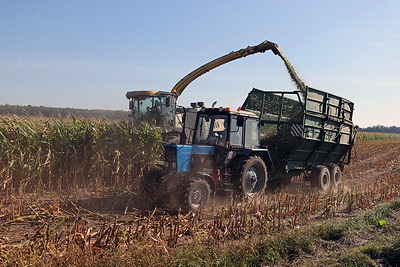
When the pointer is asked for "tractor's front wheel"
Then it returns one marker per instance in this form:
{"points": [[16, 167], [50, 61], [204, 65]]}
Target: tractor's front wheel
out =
{"points": [[196, 193], [253, 177]]}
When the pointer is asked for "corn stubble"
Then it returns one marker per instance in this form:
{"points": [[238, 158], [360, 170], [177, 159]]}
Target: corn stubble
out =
{"points": [[71, 240]]}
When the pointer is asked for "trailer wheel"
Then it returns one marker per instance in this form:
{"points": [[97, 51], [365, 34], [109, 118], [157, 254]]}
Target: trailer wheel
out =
{"points": [[253, 177], [336, 174], [321, 178], [196, 193]]}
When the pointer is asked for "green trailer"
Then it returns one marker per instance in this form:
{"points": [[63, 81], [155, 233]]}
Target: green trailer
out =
{"points": [[309, 130]]}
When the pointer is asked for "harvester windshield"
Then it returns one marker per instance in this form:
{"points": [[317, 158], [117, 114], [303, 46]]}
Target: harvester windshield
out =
{"points": [[152, 106]]}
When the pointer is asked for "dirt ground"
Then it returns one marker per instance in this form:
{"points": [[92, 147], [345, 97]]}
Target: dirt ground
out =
{"points": [[27, 216]]}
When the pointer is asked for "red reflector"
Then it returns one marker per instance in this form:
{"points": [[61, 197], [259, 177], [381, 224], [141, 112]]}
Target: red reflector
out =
{"points": [[217, 175]]}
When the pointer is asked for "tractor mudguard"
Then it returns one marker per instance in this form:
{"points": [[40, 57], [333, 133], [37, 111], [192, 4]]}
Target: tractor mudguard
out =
{"points": [[263, 153]]}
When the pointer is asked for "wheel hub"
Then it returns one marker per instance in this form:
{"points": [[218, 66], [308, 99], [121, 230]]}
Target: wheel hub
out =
{"points": [[251, 179], [325, 180], [197, 196]]}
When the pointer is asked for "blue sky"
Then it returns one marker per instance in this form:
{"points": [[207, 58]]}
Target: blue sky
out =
{"points": [[88, 54]]}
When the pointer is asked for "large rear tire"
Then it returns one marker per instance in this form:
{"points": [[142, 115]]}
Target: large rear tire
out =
{"points": [[336, 174], [196, 193], [321, 178], [253, 178]]}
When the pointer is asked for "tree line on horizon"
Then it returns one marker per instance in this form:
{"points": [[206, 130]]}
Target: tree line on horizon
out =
{"points": [[52, 112], [381, 129]]}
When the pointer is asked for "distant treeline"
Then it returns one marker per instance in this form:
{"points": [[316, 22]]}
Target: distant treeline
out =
{"points": [[381, 129], [50, 112]]}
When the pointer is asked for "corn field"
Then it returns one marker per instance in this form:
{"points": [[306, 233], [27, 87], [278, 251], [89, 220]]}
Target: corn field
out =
{"points": [[73, 153]]}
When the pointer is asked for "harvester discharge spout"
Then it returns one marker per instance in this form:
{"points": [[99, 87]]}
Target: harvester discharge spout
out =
{"points": [[181, 85]]}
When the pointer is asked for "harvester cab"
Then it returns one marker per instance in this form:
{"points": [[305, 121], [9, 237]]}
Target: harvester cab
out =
{"points": [[154, 106], [159, 107]]}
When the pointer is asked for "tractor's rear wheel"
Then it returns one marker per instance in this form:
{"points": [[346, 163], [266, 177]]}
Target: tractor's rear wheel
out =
{"points": [[321, 178], [253, 177], [196, 193], [336, 174]]}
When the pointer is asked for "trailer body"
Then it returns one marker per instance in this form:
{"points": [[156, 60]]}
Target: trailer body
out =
{"points": [[303, 130]]}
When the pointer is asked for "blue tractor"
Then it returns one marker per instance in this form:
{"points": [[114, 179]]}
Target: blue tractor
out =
{"points": [[224, 156]]}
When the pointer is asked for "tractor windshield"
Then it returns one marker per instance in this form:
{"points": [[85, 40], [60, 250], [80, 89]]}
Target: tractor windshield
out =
{"points": [[211, 130]]}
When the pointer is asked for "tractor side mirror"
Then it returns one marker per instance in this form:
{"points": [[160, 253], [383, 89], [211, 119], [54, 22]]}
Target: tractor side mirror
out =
{"points": [[130, 105], [168, 102], [240, 121]]}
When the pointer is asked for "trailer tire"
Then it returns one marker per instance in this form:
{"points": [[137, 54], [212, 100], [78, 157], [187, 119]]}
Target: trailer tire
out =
{"points": [[196, 193], [336, 174], [253, 177], [321, 178]]}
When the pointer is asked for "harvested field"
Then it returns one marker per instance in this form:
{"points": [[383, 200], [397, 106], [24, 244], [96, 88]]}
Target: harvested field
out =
{"points": [[114, 227]]}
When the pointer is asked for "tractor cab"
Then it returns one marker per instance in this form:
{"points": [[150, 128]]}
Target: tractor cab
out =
{"points": [[228, 128], [154, 106]]}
